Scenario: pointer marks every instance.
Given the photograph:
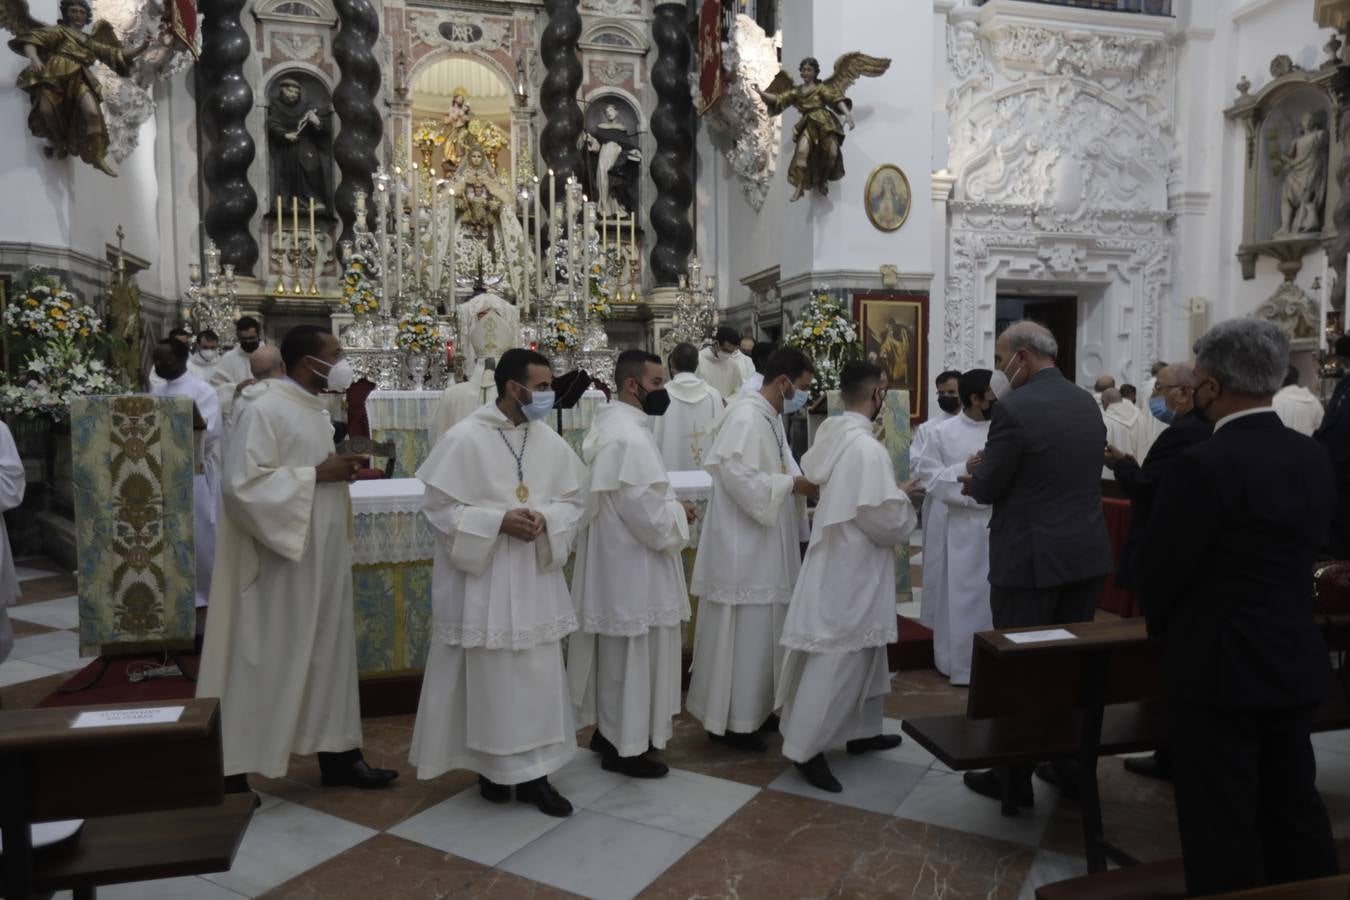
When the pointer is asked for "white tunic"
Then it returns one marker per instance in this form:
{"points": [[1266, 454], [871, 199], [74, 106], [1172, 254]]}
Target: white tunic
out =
{"points": [[628, 587], [280, 647], [747, 564], [494, 696], [205, 484], [751, 385], [232, 368], [201, 368], [1299, 409], [725, 373], [460, 400], [1126, 430], [11, 495], [923, 468], [684, 433], [964, 607]]}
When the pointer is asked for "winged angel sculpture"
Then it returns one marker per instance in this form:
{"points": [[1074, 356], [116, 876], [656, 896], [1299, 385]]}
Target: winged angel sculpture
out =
{"points": [[60, 79], [818, 136]]}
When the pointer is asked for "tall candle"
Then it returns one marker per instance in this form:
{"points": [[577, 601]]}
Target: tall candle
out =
{"points": [[295, 216], [311, 223], [382, 210], [588, 261], [435, 247], [552, 205], [281, 219], [538, 243], [450, 257]]}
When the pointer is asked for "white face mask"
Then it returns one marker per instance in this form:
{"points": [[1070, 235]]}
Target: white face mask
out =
{"points": [[999, 384], [208, 356], [340, 375]]}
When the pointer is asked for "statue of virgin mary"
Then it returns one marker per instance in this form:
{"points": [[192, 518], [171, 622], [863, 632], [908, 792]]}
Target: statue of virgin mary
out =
{"points": [[489, 241]]}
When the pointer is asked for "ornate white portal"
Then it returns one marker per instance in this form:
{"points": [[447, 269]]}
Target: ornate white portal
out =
{"points": [[1063, 155]]}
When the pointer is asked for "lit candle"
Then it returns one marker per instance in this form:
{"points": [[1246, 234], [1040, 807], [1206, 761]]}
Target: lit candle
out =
{"points": [[552, 205], [538, 242], [450, 257]]}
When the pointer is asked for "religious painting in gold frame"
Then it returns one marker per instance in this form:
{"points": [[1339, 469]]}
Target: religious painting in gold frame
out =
{"points": [[893, 330], [887, 197]]}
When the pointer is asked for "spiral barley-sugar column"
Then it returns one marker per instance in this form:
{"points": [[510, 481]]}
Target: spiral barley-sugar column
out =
{"points": [[226, 100], [673, 127]]}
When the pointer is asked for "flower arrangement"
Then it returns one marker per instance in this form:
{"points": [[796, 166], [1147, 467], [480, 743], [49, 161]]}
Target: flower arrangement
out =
{"points": [[598, 296], [358, 290], [558, 331], [48, 311], [428, 134], [418, 331], [827, 335]]}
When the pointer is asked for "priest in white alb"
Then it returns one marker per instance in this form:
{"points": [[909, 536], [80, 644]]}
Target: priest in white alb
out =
{"points": [[505, 495], [205, 355], [723, 365], [233, 366], [923, 467], [1126, 429], [684, 433], [749, 554], [12, 483], [842, 614], [1298, 407], [171, 365], [492, 327], [963, 607], [280, 648], [628, 584]]}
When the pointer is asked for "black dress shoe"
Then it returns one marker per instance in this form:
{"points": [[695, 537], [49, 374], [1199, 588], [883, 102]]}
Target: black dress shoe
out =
{"points": [[1159, 766], [544, 796], [634, 766], [1062, 775], [494, 792], [358, 774], [739, 741], [873, 744], [771, 724], [817, 771], [601, 744], [989, 784]]}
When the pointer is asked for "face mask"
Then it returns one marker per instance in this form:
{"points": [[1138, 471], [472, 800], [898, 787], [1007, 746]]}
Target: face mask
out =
{"points": [[1158, 406], [208, 356], [949, 404], [1203, 411], [339, 376], [249, 346], [540, 405], [1006, 377], [989, 410], [1000, 385], [795, 402], [167, 376], [656, 402]]}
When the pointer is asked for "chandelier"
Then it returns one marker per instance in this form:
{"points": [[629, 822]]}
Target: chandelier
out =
{"points": [[211, 302], [695, 314]]}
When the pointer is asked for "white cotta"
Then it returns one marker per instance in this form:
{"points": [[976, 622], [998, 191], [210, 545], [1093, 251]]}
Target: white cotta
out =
{"points": [[232, 367], [845, 595], [964, 607], [724, 372], [684, 433], [751, 385], [458, 401], [1299, 409], [280, 649], [923, 468], [205, 484], [11, 495], [1126, 430], [201, 368], [490, 590]]}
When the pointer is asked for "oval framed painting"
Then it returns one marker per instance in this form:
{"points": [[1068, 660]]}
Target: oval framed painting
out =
{"points": [[887, 197]]}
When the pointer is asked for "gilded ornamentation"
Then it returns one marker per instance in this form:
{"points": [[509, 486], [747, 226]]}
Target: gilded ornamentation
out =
{"points": [[750, 137]]}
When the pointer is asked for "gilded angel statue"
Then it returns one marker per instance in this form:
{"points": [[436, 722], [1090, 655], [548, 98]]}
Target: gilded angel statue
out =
{"points": [[817, 158], [59, 80]]}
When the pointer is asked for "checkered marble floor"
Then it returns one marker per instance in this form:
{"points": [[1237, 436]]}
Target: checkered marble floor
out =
{"points": [[722, 824]]}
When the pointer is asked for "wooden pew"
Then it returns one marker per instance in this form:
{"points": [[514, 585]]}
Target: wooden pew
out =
{"points": [[1097, 694], [152, 794]]}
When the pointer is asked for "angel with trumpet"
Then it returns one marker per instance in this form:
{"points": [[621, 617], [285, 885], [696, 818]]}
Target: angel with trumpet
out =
{"points": [[817, 157]]}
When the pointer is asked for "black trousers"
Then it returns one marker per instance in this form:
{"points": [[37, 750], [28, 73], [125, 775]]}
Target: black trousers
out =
{"points": [[1059, 605], [1247, 802]]}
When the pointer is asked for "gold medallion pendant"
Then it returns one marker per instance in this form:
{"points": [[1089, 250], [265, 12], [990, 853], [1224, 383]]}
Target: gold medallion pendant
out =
{"points": [[522, 492]]}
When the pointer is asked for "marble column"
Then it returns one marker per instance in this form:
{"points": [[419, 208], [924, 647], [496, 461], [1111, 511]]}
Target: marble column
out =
{"points": [[225, 102], [558, 95], [354, 102], [672, 125]]}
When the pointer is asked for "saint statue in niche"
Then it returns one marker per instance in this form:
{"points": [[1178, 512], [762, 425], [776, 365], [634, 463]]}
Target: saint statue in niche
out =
{"points": [[616, 162], [298, 143], [1304, 193], [818, 137]]}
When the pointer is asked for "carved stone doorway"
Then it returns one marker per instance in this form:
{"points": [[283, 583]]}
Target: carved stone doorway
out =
{"points": [[1058, 313]]}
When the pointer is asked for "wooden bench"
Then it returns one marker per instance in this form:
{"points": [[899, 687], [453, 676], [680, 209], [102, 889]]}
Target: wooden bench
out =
{"points": [[1097, 694], [152, 795]]}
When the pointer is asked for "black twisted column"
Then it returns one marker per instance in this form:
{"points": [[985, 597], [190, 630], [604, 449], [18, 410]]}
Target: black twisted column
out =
{"points": [[558, 95], [225, 102], [354, 102], [673, 127]]}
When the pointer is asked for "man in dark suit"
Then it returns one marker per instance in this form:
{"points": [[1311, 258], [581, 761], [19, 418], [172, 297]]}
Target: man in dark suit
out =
{"points": [[1334, 435], [1225, 580], [1176, 387], [1049, 553]]}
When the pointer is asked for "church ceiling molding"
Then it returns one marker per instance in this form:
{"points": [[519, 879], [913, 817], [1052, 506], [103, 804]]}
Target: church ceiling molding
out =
{"points": [[615, 36], [461, 31], [308, 12]]}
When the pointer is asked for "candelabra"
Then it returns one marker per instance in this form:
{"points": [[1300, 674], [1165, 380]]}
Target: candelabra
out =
{"points": [[211, 302], [695, 314], [295, 253]]}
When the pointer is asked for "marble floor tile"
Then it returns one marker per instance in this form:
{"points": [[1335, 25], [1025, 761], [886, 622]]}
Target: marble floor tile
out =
{"points": [[470, 827], [909, 610], [384, 866], [18, 671], [31, 571], [875, 785], [683, 802], [283, 841], [63, 612], [20, 628], [163, 889], [67, 659], [1049, 867], [600, 856], [690, 749], [1138, 815], [45, 644], [47, 587], [909, 751], [942, 799], [925, 692]]}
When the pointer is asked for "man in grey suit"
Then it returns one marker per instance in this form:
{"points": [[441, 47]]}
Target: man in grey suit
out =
{"points": [[1049, 553]]}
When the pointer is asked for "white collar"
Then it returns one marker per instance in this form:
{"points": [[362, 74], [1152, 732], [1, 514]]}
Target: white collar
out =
{"points": [[1238, 415], [686, 378]]}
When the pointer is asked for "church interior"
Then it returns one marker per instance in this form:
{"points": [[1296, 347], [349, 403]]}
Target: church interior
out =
{"points": [[437, 182]]}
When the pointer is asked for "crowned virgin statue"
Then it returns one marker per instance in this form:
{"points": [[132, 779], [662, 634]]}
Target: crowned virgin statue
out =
{"points": [[489, 241]]}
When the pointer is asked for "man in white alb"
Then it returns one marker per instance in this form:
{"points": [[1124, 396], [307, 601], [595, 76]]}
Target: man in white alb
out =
{"points": [[205, 355], [505, 495], [628, 585], [684, 433], [723, 365], [1297, 407], [842, 613], [264, 364], [459, 400], [749, 554], [964, 606], [280, 647], [233, 366], [923, 467], [180, 335], [1125, 427], [171, 365]]}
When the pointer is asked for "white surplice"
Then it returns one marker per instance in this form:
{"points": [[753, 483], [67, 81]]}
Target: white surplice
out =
{"points": [[459, 400], [1126, 430], [964, 605], [628, 587], [201, 368], [842, 613], [232, 367], [725, 373], [684, 433], [752, 385], [12, 485], [747, 564], [206, 483], [494, 694], [923, 468], [1299, 409], [280, 649]]}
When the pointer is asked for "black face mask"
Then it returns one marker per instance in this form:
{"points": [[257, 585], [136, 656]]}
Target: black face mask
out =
{"points": [[249, 346], [167, 376], [656, 402], [949, 404]]}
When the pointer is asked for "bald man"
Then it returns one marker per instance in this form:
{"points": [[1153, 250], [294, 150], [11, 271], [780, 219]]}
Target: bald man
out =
{"points": [[264, 364]]}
